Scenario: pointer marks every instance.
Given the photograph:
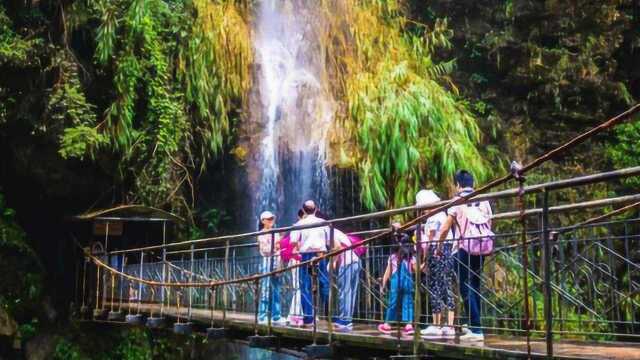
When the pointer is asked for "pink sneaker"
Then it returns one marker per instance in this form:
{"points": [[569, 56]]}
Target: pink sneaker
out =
{"points": [[408, 330], [384, 328]]}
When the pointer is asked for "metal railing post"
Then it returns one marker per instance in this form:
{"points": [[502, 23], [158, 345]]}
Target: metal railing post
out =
{"points": [[224, 287], [546, 249], [270, 280], [330, 273], [315, 295], [164, 266], [417, 299], [190, 288], [140, 284]]}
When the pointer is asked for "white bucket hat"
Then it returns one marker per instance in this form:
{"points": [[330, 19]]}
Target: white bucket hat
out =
{"points": [[266, 215], [426, 197]]}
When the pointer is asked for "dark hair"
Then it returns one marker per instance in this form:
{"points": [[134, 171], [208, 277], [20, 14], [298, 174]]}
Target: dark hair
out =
{"points": [[300, 213], [404, 248], [260, 225], [309, 209], [463, 178]]}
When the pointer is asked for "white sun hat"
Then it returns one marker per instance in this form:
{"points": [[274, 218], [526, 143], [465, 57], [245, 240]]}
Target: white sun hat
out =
{"points": [[266, 215], [426, 197]]}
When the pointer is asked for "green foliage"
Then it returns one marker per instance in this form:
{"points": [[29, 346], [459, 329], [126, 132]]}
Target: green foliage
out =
{"points": [[21, 283], [179, 69], [625, 152], [68, 109], [135, 346], [66, 350], [410, 130], [14, 49]]}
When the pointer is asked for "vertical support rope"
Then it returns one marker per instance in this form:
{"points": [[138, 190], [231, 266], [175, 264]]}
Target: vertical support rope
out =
{"points": [[84, 281], [97, 287], [104, 273], [257, 302], [113, 288], [212, 299], [516, 170], [124, 260]]}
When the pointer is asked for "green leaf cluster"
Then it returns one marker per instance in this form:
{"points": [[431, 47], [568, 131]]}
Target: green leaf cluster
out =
{"points": [[179, 72], [409, 126]]}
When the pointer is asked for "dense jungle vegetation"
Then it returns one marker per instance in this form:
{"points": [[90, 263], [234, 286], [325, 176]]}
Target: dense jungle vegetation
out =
{"points": [[137, 101]]}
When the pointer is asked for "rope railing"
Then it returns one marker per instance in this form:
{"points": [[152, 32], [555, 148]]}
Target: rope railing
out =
{"points": [[517, 173], [432, 211]]}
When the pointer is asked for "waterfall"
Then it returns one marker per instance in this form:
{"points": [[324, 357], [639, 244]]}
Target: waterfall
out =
{"points": [[292, 108]]}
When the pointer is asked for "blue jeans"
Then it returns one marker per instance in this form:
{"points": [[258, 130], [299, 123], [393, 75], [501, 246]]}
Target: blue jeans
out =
{"points": [[400, 294], [469, 270], [306, 295], [348, 279], [264, 293]]}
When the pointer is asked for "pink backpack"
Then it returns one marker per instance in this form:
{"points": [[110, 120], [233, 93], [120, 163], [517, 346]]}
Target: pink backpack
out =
{"points": [[476, 237], [358, 250]]}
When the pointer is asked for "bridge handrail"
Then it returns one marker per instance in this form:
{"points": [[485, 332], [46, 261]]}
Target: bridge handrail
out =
{"points": [[552, 185], [448, 204], [499, 216]]}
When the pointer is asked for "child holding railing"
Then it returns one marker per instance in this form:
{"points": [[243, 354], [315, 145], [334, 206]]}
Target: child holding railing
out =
{"points": [[269, 247], [400, 270]]}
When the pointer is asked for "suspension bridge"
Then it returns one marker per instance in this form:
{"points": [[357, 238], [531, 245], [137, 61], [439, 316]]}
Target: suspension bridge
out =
{"points": [[547, 291]]}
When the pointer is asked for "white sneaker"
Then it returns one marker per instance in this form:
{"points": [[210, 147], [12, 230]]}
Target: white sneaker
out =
{"points": [[464, 329], [448, 332], [281, 321], [431, 332], [472, 337], [262, 322]]}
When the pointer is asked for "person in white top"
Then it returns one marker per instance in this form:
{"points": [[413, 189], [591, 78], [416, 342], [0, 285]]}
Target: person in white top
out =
{"points": [[269, 246], [311, 243], [440, 275]]}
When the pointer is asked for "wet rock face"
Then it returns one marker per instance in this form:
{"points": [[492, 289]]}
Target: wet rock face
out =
{"points": [[8, 326]]}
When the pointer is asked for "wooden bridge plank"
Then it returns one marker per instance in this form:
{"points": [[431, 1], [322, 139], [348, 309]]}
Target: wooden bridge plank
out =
{"points": [[366, 336]]}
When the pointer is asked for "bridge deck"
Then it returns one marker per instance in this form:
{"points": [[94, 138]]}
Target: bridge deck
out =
{"points": [[366, 336]]}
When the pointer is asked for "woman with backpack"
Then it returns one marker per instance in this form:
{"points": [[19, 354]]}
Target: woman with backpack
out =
{"points": [[291, 257], [400, 269], [441, 271], [471, 225]]}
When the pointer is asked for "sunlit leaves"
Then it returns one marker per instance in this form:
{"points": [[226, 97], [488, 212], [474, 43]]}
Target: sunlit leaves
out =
{"points": [[410, 130]]}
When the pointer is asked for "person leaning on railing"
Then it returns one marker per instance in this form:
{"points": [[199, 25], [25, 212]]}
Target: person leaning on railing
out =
{"points": [[439, 278], [311, 243], [471, 224], [270, 261]]}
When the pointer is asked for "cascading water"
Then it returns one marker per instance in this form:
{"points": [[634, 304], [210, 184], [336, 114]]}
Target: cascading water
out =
{"points": [[293, 107]]}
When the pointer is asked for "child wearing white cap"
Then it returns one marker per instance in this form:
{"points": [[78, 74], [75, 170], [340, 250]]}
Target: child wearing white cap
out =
{"points": [[440, 274], [270, 262]]}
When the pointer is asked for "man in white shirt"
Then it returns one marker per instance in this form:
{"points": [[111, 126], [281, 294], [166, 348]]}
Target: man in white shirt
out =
{"points": [[311, 243]]}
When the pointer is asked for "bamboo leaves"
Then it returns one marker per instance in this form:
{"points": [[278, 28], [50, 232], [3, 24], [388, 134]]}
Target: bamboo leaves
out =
{"points": [[410, 130]]}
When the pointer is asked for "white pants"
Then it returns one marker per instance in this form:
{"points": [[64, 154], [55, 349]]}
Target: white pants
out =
{"points": [[296, 308]]}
